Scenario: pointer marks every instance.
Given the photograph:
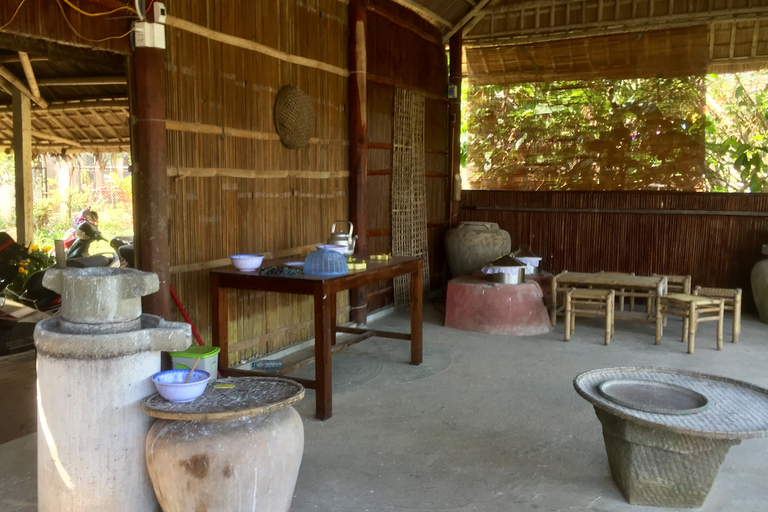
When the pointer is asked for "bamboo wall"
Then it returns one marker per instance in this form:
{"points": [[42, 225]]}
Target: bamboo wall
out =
{"points": [[405, 51], [233, 186], [715, 238]]}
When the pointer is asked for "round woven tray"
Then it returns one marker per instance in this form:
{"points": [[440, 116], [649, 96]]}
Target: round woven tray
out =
{"points": [[736, 409], [229, 399], [294, 116]]}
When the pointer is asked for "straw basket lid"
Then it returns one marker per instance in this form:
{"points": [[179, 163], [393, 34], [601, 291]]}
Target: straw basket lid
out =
{"points": [[294, 116]]}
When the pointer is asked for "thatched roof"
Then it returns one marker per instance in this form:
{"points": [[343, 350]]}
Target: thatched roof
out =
{"points": [[498, 35], [84, 105]]}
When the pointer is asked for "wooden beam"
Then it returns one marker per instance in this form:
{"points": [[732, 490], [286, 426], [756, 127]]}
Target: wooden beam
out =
{"points": [[82, 80], [21, 87], [357, 58], [150, 174], [22, 149], [423, 11], [7, 87], [31, 80], [454, 118], [14, 59], [466, 19], [55, 138]]}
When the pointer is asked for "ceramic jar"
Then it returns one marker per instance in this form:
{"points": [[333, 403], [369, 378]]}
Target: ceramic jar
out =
{"points": [[471, 245]]}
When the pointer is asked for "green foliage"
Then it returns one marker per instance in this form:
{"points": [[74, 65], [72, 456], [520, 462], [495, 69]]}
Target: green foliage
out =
{"points": [[39, 258], [7, 169], [737, 127], [619, 134]]}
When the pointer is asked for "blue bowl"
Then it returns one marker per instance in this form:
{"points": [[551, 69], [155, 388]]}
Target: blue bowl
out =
{"points": [[171, 386]]}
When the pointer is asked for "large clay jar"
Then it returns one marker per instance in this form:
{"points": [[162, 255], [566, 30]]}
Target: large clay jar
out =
{"points": [[471, 245], [760, 286], [209, 459]]}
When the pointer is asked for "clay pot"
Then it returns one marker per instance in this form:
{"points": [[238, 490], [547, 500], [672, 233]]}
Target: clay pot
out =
{"points": [[471, 245], [248, 464], [760, 288]]}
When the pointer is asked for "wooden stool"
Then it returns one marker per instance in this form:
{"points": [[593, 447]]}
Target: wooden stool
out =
{"points": [[731, 302], [589, 303], [677, 284], [693, 310]]}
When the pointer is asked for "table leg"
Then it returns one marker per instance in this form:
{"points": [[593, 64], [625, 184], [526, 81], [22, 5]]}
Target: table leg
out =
{"points": [[416, 316], [553, 310], [219, 321], [323, 335], [332, 306]]}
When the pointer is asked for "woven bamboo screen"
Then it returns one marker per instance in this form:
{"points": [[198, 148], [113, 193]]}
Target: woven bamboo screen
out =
{"points": [[409, 198], [234, 188]]}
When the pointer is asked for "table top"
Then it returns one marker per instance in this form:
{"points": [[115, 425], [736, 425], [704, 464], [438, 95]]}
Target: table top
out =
{"points": [[229, 399], [372, 266], [736, 409], [611, 279]]}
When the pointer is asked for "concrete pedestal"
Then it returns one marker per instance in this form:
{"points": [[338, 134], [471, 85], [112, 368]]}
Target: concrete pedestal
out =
{"points": [[474, 304]]}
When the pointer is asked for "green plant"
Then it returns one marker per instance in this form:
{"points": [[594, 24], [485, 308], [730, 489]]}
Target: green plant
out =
{"points": [[39, 259]]}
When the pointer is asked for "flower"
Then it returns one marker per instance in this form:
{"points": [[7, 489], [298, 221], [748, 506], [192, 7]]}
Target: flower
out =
{"points": [[24, 263], [47, 248], [33, 248], [22, 271]]}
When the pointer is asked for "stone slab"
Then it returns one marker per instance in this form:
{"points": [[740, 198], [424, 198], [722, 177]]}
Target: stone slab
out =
{"points": [[474, 304]]}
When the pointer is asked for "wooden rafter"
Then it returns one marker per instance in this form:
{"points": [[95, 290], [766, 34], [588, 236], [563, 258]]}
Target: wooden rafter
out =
{"points": [[55, 138], [423, 11], [21, 87], [120, 104], [30, 74], [466, 19], [79, 81], [13, 59]]}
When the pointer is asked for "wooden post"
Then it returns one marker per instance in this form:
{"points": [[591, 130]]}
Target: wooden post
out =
{"points": [[358, 142], [150, 174], [454, 109], [22, 156]]}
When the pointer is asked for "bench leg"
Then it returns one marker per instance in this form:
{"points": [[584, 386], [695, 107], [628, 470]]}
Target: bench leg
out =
{"points": [[566, 318], [692, 325], [737, 317], [720, 326]]}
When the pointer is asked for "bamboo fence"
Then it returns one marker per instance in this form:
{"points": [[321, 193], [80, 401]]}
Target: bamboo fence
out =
{"points": [[233, 187]]}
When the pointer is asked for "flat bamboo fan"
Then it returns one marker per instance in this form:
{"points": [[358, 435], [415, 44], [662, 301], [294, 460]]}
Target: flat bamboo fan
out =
{"points": [[294, 116]]}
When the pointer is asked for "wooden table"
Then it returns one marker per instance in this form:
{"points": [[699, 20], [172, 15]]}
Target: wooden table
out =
{"points": [[324, 290], [650, 287]]}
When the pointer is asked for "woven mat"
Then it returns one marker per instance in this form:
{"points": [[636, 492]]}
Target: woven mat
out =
{"points": [[736, 410], [409, 197]]}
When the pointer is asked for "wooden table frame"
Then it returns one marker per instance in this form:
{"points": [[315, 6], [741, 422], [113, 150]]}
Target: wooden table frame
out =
{"points": [[324, 290], [650, 288]]}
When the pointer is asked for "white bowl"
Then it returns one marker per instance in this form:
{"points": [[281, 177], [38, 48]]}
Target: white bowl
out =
{"points": [[171, 386], [247, 262], [332, 247]]}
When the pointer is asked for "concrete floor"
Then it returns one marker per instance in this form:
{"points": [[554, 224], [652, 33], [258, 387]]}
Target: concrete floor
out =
{"points": [[486, 423]]}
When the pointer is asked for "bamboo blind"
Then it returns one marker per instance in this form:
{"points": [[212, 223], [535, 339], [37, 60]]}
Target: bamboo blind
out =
{"points": [[409, 198]]}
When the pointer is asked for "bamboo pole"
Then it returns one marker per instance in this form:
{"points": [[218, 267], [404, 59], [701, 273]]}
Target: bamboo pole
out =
{"points": [[29, 72], [209, 172], [210, 129], [247, 44], [21, 87]]}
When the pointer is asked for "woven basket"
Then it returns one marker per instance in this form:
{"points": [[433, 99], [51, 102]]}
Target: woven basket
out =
{"points": [[294, 116]]}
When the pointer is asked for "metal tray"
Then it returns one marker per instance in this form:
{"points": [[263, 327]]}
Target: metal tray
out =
{"points": [[653, 397]]}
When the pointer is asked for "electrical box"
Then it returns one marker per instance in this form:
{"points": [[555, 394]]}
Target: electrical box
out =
{"points": [[149, 35], [453, 91], [158, 9]]}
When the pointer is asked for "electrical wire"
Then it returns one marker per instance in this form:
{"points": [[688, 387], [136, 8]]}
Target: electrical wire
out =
{"points": [[149, 6], [94, 14], [14, 14], [61, 8]]}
